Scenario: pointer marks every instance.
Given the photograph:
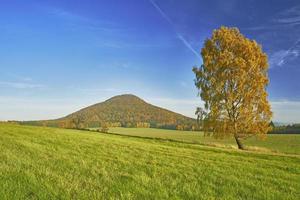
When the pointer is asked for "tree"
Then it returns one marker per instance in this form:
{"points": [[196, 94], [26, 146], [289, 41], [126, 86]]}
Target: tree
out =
{"points": [[61, 124], [180, 127], [272, 125], [200, 115], [77, 122], [104, 128], [232, 82]]}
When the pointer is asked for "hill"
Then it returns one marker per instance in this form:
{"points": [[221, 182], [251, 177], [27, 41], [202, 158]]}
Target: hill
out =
{"points": [[52, 163], [122, 111]]}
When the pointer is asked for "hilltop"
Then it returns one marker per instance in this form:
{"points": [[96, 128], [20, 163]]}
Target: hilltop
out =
{"points": [[122, 111]]}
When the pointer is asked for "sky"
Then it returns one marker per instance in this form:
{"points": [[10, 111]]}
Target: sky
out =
{"points": [[58, 56]]}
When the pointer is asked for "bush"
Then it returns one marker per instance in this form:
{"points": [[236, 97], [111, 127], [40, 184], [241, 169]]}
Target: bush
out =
{"points": [[104, 129]]}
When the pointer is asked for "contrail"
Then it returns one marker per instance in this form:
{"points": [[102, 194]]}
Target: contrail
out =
{"points": [[163, 14], [180, 36], [187, 44]]}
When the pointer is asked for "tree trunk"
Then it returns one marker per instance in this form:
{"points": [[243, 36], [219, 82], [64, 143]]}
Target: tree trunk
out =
{"points": [[239, 142]]}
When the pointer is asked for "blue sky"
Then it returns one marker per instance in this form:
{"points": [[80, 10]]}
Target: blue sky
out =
{"points": [[58, 56]]}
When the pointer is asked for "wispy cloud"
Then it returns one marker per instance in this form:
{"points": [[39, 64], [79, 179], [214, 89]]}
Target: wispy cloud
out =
{"points": [[26, 78], [117, 65], [281, 57], [290, 20], [265, 27], [107, 29], [88, 23], [131, 45], [286, 18], [72, 16], [289, 16], [183, 84], [20, 85], [19, 77], [66, 14], [179, 35]]}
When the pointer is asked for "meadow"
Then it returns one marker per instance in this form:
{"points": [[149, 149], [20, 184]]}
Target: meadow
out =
{"points": [[52, 163], [278, 143]]}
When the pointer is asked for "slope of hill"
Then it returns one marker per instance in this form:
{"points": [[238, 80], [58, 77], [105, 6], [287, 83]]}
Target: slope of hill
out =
{"points": [[123, 110]]}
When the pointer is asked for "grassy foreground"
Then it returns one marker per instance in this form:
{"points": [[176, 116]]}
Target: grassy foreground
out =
{"points": [[281, 143], [49, 163]]}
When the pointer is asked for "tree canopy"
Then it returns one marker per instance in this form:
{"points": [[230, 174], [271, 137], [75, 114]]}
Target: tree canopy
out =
{"points": [[232, 82]]}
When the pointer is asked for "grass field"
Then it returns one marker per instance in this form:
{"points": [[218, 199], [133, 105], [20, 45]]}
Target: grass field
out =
{"points": [[50, 163], [288, 143]]}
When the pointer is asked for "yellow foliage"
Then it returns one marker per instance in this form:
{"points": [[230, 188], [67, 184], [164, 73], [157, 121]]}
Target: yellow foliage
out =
{"points": [[232, 83]]}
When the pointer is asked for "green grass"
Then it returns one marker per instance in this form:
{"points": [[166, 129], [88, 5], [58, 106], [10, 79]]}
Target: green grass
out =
{"points": [[50, 163], [282, 143]]}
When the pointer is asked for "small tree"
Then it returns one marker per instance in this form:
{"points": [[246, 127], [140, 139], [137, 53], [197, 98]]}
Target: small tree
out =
{"points": [[104, 128], [200, 116], [232, 82], [61, 124], [179, 127], [77, 122], [272, 125]]}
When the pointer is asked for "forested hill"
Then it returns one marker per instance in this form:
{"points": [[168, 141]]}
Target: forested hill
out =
{"points": [[126, 111]]}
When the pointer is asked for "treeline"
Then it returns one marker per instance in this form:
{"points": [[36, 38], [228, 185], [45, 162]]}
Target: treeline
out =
{"points": [[286, 129], [77, 124]]}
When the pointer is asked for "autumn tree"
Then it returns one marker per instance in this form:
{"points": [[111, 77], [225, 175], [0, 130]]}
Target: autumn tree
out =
{"points": [[77, 122], [104, 128], [180, 127], [232, 82], [61, 124]]}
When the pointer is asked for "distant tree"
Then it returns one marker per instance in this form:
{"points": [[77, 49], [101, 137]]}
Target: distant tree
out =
{"points": [[128, 125], [180, 127], [142, 125], [104, 128], [272, 125], [200, 116], [77, 122], [61, 124], [232, 83]]}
